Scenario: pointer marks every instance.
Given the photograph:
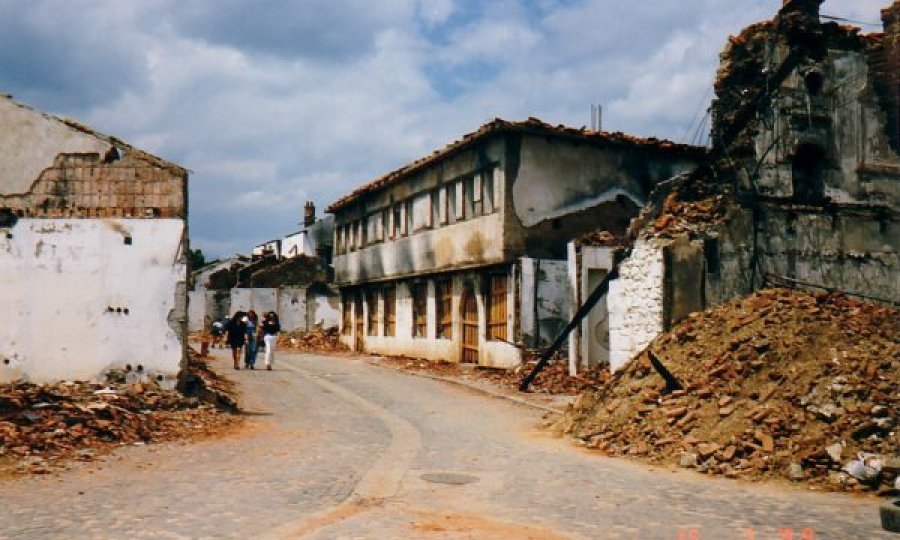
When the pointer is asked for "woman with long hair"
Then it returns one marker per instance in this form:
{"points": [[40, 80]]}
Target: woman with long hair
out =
{"points": [[270, 329]]}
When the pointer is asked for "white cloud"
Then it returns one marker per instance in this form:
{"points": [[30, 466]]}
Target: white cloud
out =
{"points": [[289, 100]]}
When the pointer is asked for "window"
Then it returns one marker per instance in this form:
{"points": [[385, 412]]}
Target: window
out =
{"points": [[347, 319], [436, 207], [488, 183], [442, 205], [390, 310], [421, 212], [372, 304], [397, 222], [420, 309], [468, 198], [443, 295], [452, 208], [496, 324], [408, 207]]}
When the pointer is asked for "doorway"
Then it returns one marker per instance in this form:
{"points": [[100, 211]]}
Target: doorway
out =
{"points": [[469, 317]]}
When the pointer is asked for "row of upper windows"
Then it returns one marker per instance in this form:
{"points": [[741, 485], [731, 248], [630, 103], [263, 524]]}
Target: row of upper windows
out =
{"points": [[451, 203]]}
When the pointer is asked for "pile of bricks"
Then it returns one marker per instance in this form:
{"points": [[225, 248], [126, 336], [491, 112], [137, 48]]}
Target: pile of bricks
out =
{"points": [[779, 384], [44, 426]]}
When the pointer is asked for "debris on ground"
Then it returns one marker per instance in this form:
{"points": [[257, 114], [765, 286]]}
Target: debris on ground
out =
{"points": [[316, 340], [553, 380], [43, 426], [777, 384]]}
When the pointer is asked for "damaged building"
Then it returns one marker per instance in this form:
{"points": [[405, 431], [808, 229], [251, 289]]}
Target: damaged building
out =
{"points": [[802, 189], [461, 255], [290, 276], [93, 243]]}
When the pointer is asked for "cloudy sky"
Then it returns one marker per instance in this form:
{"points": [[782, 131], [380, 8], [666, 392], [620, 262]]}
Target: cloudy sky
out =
{"points": [[273, 102]]}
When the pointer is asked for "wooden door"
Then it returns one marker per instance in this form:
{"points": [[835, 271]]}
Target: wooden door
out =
{"points": [[359, 322], [469, 312]]}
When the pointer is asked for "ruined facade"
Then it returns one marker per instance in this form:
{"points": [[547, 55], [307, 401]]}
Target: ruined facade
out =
{"points": [[804, 188], [93, 242], [460, 256]]}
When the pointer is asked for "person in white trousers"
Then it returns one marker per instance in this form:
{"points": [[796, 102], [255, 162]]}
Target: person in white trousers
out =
{"points": [[270, 329]]}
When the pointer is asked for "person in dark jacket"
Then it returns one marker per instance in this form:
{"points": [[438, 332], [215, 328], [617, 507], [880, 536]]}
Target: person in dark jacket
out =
{"points": [[236, 331], [270, 328]]}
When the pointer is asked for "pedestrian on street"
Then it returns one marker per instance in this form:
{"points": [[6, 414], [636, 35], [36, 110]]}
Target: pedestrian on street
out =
{"points": [[252, 321], [237, 336], [270, 328]]}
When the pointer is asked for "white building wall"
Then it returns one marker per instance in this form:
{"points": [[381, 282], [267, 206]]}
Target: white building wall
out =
{"points": [[66, 285], [635, 303]]}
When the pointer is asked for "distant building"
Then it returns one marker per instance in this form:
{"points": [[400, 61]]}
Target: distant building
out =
{"points": [[93, 243], [461, 255]]}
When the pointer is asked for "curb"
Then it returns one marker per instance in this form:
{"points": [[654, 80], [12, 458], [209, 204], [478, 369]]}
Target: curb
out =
{"points": [[479, 389]]}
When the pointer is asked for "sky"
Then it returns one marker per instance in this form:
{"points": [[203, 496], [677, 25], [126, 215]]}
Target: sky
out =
{"points": [[270, 103]]}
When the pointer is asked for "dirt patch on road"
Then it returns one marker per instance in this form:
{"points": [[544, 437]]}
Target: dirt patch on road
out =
{"points": [[433, 524]]}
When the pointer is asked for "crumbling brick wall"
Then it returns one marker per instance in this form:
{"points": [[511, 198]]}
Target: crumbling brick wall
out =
{"points": [[135, 185]]}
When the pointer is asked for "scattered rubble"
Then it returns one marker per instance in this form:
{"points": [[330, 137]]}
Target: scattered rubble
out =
{"points": [[43, 426], [554, 380], [777, 384], [317, 340]]}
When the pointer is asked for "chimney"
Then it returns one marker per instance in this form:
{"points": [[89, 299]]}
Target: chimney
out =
{"points": [[309, 214]]}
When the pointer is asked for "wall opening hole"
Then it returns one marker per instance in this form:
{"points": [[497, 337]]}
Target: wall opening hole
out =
{"points": [[808, 170], [814, 81], [128, 240], [8, 218]]}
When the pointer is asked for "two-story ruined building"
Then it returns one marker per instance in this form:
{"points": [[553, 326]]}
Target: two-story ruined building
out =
{"points": [[460, 255]]}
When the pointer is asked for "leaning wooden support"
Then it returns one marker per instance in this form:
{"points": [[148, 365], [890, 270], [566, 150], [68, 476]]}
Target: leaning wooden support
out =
{"points": [[672, 383], [582, 312]]}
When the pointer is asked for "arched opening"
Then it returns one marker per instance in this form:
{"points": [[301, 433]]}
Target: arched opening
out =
{"points": [[807, 169]]}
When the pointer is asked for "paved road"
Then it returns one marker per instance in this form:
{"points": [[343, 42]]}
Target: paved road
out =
{"points": [[336, 448]]}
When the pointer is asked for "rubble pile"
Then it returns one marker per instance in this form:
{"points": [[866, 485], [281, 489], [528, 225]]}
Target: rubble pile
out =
{"points": [[316, 340], [42, 426], [553, 379], [778, 384]]}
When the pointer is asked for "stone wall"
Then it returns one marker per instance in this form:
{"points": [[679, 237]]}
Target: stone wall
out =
{"points": [[636, 302]]}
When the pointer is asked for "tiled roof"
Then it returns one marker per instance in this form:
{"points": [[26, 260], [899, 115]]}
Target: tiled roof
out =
{"points": [[533, 126]]}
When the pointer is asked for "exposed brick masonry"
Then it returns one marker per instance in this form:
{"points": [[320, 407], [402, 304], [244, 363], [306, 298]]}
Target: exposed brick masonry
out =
{"points": [[84, 186]]}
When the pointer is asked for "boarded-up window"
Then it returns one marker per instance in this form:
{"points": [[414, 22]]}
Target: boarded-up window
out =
{"points": [[390, 310], [443, 295], [372, 305], [421, 212], [420, 309], [497, 301], [347, 319]]}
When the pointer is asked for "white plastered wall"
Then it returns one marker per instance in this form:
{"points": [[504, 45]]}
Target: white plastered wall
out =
{"points": [[65, 285]]}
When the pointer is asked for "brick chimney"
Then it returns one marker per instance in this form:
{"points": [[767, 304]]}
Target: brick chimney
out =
{"points": [[890, 72], [309, 214]]}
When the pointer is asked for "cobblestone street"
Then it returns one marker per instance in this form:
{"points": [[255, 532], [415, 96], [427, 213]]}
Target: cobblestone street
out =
{"points": [[337, 448]]}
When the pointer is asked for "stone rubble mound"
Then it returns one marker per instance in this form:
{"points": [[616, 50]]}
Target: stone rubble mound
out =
{"points": [[316, 340], [42, 426], [777, 384]]}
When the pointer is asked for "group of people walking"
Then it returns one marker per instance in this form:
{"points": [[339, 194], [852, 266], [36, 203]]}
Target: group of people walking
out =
{"points": [[245, 334]]}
